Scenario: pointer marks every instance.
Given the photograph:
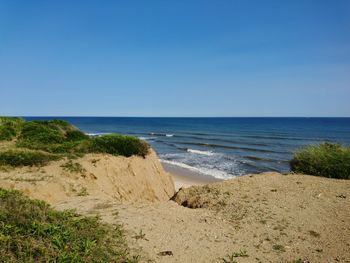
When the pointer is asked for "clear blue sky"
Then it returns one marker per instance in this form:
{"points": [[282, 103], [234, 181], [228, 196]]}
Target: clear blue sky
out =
{"points": [[175, 58]]}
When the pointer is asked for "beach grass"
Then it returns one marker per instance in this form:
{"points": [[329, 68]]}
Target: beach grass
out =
{"points": [[327, 159], [120, 145], [38, 142], [31, 231], [20, 157], [9, 127]]}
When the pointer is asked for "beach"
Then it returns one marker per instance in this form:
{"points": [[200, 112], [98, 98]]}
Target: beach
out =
{"points": [[183, 177]]}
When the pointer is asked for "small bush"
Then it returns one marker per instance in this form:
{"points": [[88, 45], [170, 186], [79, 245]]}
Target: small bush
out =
{"points": [[69, 166], [31, 231], [52, 136], [9, 127], [120, 145], [328, 160], [7, 133], [37, 134], [76, 135], [25, 158]]}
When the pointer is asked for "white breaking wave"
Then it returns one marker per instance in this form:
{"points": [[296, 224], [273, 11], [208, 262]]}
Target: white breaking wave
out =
{"points": [[207, 153], [211, 172], [162, 134], [97, 134], [147, 138]]}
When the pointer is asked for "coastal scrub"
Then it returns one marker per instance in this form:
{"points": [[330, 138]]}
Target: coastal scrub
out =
{"points": [[31, 231], [327, 159], [18, 157], [9, 127], [38, 142], [120, 145]]}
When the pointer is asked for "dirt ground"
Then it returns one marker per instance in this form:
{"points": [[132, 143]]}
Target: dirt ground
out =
{"points": [[255, 218]]}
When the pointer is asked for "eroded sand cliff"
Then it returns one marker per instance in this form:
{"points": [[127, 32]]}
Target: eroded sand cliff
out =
{"points": [[102, 176]]}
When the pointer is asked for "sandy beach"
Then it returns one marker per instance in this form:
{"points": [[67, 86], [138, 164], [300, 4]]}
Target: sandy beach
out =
{"points": [[183, 177]]}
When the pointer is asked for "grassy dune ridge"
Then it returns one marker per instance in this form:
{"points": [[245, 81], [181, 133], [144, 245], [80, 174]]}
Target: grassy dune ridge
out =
{"points": [[38, 142]]}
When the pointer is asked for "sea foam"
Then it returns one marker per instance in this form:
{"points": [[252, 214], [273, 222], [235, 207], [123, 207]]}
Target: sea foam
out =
{"points": [[97, 134], [207, 153], [202, 170]]}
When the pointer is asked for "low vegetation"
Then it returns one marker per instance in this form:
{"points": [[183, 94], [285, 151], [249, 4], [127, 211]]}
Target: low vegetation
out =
{"points": [[328, 160], [9, 128], [120, 145], [231, 258], [31, 231], [53, 136], [278, 248], [18, 157], [38, 142], [73, 167]]}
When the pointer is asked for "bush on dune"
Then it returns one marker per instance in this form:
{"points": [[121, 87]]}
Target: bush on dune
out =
{"points": [[26, 158], [76, 135], [9, 127], [31, 231], [328, 160], [120, 145], [55, 138]]}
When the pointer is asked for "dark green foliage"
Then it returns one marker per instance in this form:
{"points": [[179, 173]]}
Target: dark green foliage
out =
{"points": [[59, 137], [328, 160], [120, 145], [25, 158], [31, 231], [6, 133], [52, 136], [76, 135], [9, 127], [40, 132]]}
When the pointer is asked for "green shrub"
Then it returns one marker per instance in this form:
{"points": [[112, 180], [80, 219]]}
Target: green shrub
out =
{"points": [[7, 133], [31, 231], [76, 135], [328, 160], [120, 145], [36, 133], [60, 137], [25, 158], [52, 136], [9, 127]]}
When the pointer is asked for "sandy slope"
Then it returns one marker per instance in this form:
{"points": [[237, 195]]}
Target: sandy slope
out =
{"points": [[273, 217], [100, 175]]}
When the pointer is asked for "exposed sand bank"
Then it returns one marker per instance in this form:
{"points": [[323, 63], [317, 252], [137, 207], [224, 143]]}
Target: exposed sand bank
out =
{"points": [[103, 176]]}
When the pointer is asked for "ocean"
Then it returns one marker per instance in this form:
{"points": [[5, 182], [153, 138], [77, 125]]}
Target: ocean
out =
{"points": [[221, 147]]}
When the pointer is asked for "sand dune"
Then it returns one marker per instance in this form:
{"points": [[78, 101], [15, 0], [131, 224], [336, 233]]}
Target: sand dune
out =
{"points": [[255, 218], [103, 176]]}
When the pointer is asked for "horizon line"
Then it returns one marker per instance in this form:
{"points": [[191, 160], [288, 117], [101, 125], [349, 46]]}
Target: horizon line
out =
{"points": [[106, 116]]}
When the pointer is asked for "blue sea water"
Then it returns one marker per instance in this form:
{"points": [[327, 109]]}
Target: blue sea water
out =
{"points": [[222, 147]]}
